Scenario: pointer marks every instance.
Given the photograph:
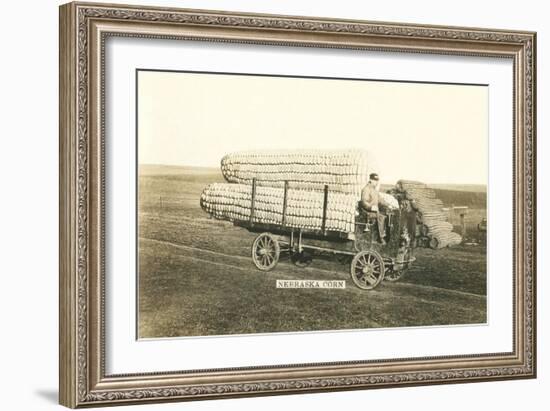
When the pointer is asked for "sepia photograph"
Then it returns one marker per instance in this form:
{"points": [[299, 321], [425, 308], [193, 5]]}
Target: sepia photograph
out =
{"points": [[284, 204]]}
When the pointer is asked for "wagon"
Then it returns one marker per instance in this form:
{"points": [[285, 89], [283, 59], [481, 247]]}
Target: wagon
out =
{"points": [[371, 260]]}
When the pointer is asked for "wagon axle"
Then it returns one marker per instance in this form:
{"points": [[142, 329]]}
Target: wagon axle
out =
{"points": [[368, 268]]}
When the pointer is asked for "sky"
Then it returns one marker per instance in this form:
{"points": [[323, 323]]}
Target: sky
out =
{"points": [[435, 133]]}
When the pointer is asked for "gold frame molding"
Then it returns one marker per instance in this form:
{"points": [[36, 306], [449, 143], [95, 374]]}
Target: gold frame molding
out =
{"points": [[83, 30]]}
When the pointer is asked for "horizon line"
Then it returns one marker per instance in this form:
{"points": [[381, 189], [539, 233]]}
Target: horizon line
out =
{"points": [[386, 183]]}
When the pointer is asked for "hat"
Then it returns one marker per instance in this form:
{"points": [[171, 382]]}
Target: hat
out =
{"points": [[374, 177]]}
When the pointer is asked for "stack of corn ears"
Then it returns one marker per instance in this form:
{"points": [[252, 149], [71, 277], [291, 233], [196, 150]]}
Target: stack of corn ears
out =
{"points": [[343, 171], [430, 213], [307, 172], [304, 208]]}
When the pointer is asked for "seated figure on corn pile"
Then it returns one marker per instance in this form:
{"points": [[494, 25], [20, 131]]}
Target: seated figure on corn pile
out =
{"points": [[371, 202]]}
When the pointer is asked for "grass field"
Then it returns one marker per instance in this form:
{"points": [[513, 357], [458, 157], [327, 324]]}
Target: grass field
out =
{"points": [[196, 276]]}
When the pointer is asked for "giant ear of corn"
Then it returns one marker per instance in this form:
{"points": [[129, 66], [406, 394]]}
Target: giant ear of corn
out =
{"points": [[343, 171], [304, 208]]}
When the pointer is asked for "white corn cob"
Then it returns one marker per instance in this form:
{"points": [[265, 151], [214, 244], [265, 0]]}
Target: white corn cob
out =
{"points": [[304, 207], [389, 200], [343, 170], [448, 240]]}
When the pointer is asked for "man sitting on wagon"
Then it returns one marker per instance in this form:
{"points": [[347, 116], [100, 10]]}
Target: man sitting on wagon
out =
{"points": [[371, 202]]}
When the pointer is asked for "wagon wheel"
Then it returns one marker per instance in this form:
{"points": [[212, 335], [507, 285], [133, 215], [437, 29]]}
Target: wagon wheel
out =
{"points": [[434, 243], [367, 269], [302, 259], [395, 275], [265, 252]]}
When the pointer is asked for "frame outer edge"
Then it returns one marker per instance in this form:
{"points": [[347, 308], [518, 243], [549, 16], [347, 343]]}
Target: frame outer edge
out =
{"points": [[68, 329], [534, 202], [535, 199], [77, 389]]}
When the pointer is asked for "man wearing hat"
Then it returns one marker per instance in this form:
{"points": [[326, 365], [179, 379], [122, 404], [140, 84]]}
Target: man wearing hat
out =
{"points": [[370, 200]]}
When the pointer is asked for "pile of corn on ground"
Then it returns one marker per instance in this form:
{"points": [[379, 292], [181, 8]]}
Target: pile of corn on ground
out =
{"points": [[307, 172], [435, 226]]}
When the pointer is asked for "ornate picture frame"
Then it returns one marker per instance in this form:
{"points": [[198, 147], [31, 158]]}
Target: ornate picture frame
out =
{"points": [[84, 29]]}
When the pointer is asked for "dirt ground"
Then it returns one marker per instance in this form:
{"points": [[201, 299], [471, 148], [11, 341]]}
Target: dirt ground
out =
{"points": [[196, 276]]}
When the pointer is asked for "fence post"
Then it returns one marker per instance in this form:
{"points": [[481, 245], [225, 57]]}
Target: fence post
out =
{"points": [[283, 222], [325, 202], [253, 200], [463, 224]]}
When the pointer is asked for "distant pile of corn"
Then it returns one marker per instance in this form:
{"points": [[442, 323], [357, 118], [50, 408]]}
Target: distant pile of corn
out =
{"points": [[306, 172], [429, 210]]}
